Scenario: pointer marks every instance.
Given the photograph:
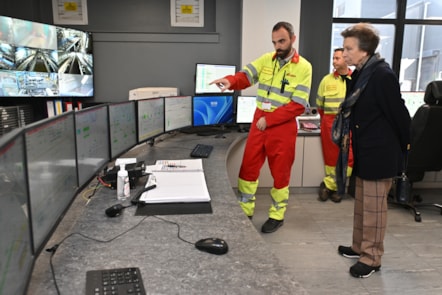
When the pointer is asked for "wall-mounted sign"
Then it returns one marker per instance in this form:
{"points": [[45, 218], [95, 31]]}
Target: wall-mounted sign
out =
{"points": [[187, 13], [70, 12]]}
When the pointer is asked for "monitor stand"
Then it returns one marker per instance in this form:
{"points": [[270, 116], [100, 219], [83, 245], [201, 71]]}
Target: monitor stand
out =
{"points": [[212, 132], [243, 128]]}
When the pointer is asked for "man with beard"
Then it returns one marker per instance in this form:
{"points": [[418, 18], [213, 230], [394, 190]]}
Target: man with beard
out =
{"points": [[284, 81]]}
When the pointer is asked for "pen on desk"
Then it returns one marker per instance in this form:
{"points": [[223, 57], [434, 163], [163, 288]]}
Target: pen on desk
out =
{"points": [[149, 187], [175, 166], [136, 199]]}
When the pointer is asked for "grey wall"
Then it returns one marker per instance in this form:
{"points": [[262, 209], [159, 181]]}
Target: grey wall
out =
{"points": [[135, 46], [315, 39]]}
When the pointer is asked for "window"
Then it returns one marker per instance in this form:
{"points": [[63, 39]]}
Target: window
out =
{"points": [[364, 9], [410, 33], [421, 57], [386, 43]]}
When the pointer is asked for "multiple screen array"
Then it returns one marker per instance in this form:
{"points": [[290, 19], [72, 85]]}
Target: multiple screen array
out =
{"points": [[54, 157], [213, 107], [44, 60], [44, 164]]}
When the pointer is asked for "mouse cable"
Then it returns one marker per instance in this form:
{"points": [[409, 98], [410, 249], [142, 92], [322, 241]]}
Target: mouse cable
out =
{"points": [[93, 189], [54, 248], [177, 225]]}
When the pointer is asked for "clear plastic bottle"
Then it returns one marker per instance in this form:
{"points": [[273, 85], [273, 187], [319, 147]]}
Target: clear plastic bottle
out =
{"points": [[123, 186]]}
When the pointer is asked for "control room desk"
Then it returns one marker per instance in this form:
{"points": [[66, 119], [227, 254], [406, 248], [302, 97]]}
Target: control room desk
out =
{"points": [[168, 265]]}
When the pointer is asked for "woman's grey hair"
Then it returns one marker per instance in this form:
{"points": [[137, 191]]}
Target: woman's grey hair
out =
{"points": [[366, 34]]}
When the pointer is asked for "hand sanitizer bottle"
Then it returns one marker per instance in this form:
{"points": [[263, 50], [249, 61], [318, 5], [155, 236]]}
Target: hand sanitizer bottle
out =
{"points": [[123, 186]]}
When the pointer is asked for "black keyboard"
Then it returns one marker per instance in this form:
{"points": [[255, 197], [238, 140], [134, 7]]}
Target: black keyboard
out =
{"points": [[115, 281], [201, 151]]}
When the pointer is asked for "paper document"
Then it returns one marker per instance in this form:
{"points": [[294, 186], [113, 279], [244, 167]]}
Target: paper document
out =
{"points": [[178, 187]]}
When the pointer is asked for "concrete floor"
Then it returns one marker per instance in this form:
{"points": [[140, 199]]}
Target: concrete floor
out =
{"points": [[307, 244]]}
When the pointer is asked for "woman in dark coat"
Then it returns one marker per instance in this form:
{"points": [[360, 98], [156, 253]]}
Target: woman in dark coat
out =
{"points": [[379, 125]]}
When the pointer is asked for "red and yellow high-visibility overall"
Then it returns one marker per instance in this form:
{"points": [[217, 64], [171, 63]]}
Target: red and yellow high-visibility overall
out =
{"points": [[282, 94], [331, 93]]}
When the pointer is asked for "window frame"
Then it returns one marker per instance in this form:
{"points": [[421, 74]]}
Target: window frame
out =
{"points": [[399, 23]]}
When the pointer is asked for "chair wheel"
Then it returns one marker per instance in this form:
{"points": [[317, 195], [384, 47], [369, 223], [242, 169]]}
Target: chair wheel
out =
{"points": [[417, 218]]}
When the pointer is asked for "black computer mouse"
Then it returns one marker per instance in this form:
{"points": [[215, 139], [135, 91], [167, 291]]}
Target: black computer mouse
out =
{"points": [[212, 245], [115, 210]]}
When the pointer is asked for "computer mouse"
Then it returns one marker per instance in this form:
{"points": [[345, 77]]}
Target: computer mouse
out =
{"points": [[115, 210], [212, 245]]}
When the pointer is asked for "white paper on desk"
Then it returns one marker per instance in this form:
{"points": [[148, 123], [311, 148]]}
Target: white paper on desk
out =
{"points": [[178, 187], [184, 165]]}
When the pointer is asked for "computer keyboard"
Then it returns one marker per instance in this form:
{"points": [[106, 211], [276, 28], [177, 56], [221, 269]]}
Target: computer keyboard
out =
{"points": [[115, 281], [201, 151]]}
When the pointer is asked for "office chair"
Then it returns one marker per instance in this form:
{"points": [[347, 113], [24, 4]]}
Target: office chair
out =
{"points": [[426, 149]]}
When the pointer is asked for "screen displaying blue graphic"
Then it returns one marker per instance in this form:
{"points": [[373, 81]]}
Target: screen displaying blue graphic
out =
{"points": [[212, 110]]}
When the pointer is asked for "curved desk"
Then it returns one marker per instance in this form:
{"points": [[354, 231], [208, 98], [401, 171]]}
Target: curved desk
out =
{"points": [[168, 265]]}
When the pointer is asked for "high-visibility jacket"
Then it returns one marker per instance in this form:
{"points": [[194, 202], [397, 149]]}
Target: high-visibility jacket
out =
{"points": [[331, 92], [277, 86], [283, 93]]}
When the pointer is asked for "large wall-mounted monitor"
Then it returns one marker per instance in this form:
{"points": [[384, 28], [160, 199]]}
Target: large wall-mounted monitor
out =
{"points": [[177, 112], [52, 173], [150, 117], [43, 60], [413, 100], [92, 137], [122, 127], [206, 73], [212, 110], [245, 109], [16, 258]]}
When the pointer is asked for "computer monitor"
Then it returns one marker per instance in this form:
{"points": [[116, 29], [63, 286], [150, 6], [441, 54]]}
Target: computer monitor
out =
{"points": [[122, 127], [245, 109], [16, 258], [150, 118], [92, 137], [413, 100], [43, 60], [212, 110], [206, 73], [52, 173], [177, 112]]}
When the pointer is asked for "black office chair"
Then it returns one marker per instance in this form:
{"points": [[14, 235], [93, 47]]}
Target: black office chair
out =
{"points": [[426, 149]]}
